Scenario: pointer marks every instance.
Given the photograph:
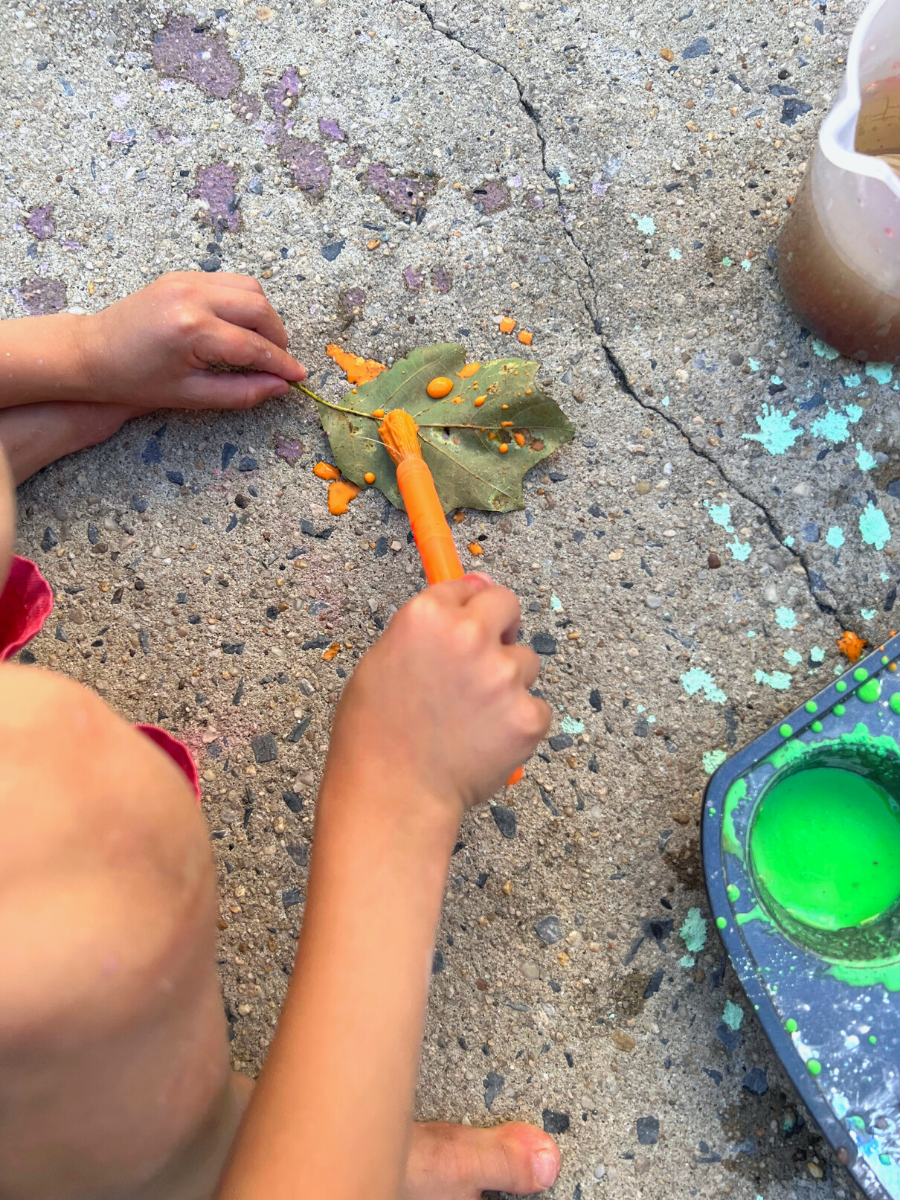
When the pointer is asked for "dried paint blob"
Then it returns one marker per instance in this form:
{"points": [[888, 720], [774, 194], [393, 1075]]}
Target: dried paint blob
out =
{"points": [[790, 1025], [825, 847], [870, 691], [41, 297], [814, 1066], [215, 187], [182, 51], [721, 922], [894, 702]]}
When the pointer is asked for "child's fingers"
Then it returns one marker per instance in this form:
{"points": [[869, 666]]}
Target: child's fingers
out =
{"points": [[224, 279], [457, 592], [224, 389], [251, 310], [527, 662], [224, 342], [498, 609]]}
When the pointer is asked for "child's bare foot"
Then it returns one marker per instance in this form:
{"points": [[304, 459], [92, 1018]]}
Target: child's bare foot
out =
{"points": [[34, 435], [454, 1162]]}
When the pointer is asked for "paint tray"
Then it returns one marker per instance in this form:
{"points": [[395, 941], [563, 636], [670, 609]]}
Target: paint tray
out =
{"points": [[828, 998]]}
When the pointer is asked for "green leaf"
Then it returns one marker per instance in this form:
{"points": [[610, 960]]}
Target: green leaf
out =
{"points": [[468, 467]]}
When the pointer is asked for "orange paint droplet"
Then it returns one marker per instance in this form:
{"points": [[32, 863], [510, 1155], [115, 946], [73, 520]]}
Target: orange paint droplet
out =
{"points": [[525, 337], [479, 400], [851, 645], [469, 370], [515, 777], [475, 549], [332, 652], [507, 325], [357, 370], [440, 387], [339, 496], [326, 471], [458, 516], [528, 391], [519, 439], [503, 448], [492, 437], [506, 424], [504, 406], [378, 412], [369, 477]]}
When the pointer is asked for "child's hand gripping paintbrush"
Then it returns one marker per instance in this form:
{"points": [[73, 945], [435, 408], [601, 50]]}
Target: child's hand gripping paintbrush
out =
{"points": [[434, 541]]}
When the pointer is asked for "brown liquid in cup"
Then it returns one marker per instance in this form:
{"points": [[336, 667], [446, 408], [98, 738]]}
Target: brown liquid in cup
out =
{"points": [[829, 296]]}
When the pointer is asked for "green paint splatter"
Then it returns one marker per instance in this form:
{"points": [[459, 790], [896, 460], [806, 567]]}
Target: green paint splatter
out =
{"points": [[860, 674], [874, 527], [674, 254], [721, 922], [872, 1039], [880, 372], [740, 550], [733, 1015], [697, 680], [793, 657], [835, 537], [686, 961], [712, 760], [776, 433], [790, 1025], [726, 261], [755, 914], [817, 654], [811, 706], [730, 844], [786, 618], [733, 892], [693, 931], [841, 685], [869, 692], [779, 680], [814, 1066], [645, 224], [824, 350], [894, 703], [816, 727], [839, 710], [785, 731]]}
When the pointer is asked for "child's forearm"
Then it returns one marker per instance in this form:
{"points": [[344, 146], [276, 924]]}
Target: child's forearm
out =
{"points": [[347, 1047], [44, 358]]}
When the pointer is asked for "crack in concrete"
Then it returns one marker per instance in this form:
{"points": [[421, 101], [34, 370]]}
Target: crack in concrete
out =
{"points": [[590, 305]]}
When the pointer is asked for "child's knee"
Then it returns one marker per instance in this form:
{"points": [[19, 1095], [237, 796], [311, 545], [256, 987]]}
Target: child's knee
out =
{"points": [[106, 882]]}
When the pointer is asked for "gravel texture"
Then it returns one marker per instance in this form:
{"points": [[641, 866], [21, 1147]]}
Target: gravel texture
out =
{"points": [[613, 177]]}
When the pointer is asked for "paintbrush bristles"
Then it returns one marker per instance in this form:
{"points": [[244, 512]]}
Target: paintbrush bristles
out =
{"points": [[400, 435]]}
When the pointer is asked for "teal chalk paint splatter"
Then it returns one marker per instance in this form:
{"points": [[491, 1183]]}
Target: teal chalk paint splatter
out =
{"points": [[835, 537], [874, 527], [665, 401], [786, 618], [674, 254], [817, 654], [776, 433], [563, 177], [555, 602], [739, 550], [867, 613], [791, 656], [779, 680], [854, 412], [753, 364], [712, 760], [864, 459], [789, 541], [697, 680], [720, 514], [824, 350], [851, 380], [776, 379], [571, 725], [733, 1015], [880, 372], [645, 224], [693, 931], [746, 264], [833, 426]]}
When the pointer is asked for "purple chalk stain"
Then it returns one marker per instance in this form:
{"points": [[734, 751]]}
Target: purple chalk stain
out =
{"points": [[599, 188], [440, 279], [180, 52], [120, 136], [41, 297], [40, 222], [288, 449], [162, 134], [413, 279], [402, 195], [308, 166], [332, 130], [353, 299], [280, 96], [121, 99], [351, 158], [535, 200], [272, 132], [215, 185], [70, 244], [247, 107], [515, 181], [492, 196]]}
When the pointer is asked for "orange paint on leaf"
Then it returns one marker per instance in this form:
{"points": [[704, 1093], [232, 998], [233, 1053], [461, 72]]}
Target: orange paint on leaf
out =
{"points": [[507, 325], [479, 400], [851, 645], [468, 370], [326, 471], [504, 448], [475, 549], [378, 412], [519, 439], [525, 337], [339, 496], [369, 477], [357, 369], [440, 387], [332, 652], [506, 424]]}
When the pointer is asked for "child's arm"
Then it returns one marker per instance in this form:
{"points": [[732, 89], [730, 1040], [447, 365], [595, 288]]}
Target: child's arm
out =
{"points": [[153, 349], [434, 720]]}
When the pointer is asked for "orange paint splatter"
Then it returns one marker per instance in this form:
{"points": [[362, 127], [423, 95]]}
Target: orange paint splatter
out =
{"points": [[519, 439], [851, 645], [357, 369], [507, 325], [475, 549], [440, 387], [525, 337], [339, 496], [326, 471], [332, 652], [479, 400], [468, 370], [378, 412], [504, 448], [506, 424], [369, 477], [458, 516]]}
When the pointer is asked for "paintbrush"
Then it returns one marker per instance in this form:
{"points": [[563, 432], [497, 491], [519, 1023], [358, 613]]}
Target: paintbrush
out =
{"points": [[434, 541]]}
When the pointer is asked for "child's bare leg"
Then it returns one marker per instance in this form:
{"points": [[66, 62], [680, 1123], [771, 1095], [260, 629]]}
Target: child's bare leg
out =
{"points": [[34, 435]]}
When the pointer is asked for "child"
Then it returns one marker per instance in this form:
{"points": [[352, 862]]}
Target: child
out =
{"points": [[114, 1074]]}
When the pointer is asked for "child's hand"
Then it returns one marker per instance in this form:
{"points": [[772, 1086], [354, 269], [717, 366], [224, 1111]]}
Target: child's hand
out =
{"points": [[442, 702], [154, 348]]}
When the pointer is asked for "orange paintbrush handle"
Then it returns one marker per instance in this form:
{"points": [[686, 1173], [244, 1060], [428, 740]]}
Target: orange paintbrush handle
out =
{"points": [[434, 540], [429, 525]]}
